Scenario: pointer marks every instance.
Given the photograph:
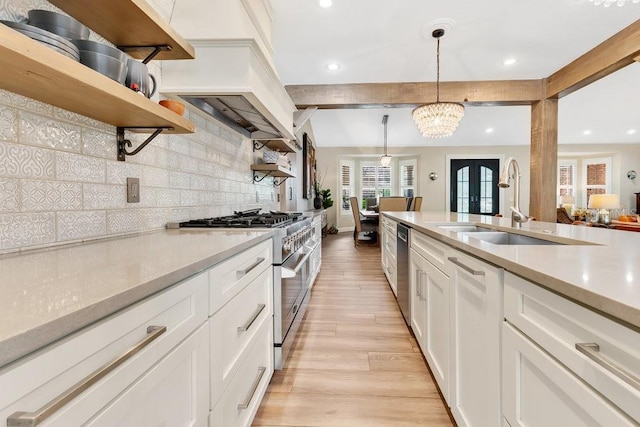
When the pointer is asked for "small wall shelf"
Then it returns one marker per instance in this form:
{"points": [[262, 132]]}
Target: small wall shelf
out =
{"points": [[271, 170], [283, 146], [129, 23]]}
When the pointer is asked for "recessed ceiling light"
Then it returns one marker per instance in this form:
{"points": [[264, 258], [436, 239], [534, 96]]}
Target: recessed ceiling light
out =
{"points": [[631, 131], [509, 61], [586, 132], [333, 66], [325, 3], [489, 130]]}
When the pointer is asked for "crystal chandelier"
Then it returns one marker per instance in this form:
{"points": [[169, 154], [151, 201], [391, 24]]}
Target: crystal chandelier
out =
{"points": [[386, 159], [607, 3], [438, 119]]}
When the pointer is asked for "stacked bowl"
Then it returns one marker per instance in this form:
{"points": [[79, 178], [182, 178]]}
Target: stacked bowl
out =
{"points": [[46, 38], [106, 60]]}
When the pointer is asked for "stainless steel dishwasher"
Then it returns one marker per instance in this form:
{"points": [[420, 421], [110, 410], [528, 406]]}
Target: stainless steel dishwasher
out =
{"points": [[402, 258]]}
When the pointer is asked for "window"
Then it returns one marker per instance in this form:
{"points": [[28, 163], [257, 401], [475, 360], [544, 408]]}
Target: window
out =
{"points": [[596, 177], [376, 181], [567, 170], [408, 177], [347, 185]]}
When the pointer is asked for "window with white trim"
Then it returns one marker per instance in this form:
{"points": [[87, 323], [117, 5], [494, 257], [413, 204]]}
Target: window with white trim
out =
{"points": [[567, 171], [375, 181], [596, 177], [347, 185], [408, 177]]}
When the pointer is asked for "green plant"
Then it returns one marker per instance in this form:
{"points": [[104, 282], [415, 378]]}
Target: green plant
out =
{"points": [[326, 198]]}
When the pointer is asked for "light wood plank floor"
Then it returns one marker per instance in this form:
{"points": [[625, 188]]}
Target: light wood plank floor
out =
{"points": [[354, 361]]}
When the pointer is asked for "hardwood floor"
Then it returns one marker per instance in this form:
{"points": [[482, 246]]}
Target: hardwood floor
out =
{"points": [[354, 361]]}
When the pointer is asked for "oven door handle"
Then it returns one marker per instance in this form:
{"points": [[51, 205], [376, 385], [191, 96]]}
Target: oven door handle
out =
{"points": [[291, 271]]}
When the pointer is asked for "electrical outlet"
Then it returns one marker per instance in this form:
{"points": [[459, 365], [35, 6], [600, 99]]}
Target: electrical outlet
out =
{"points": [[133, 190]]}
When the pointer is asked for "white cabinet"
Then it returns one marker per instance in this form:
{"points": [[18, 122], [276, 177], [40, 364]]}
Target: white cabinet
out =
{"points": [[241, 335], [389, 233], [165, 366], [599, 385], [430, 316], [539, 391], [476, 321]]}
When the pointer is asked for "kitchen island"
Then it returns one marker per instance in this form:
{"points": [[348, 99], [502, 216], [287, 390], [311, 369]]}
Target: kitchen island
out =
{"points": [[537, 325]]}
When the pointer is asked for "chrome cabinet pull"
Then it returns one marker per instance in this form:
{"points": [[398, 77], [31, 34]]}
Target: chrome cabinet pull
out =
{"points": [[422, 296], [592, 351], [241, 273], [254, 387], [253, 318], [465, 267], [419, 284], [31, 419]]}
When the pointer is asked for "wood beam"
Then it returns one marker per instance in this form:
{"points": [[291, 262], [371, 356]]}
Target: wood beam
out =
{"points": [[370, 95], [544, 160], [609, 56]]}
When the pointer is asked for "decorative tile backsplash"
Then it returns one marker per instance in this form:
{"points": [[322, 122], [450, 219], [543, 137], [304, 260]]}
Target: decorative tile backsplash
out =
{"points": [[60, 180]]}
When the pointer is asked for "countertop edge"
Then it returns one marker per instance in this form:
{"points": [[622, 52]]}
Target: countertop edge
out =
{"points": [[612, 309], [23, 344]]}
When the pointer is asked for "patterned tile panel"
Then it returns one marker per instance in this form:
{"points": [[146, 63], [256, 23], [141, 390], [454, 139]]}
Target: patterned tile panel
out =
{"points": [[104, 196], [8, 195], [81, 225], [179, 180], [47, 132], [99, 144], [118, 172], [19, 161], [123, 221], [8, 123], [50, 196], [74, 167], [23, 230], [22, 102], [154, 218]]}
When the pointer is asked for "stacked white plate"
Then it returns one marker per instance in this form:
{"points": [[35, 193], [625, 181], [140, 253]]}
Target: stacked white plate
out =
{"points": [[47, 38]]}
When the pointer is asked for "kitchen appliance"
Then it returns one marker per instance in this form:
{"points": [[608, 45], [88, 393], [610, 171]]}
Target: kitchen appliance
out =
{"points": [[403, 272], [295, 243]]}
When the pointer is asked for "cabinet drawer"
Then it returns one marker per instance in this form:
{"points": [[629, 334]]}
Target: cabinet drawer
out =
{"points": [[557, 325], [172, 393], [230, 276], [389, 225], [234, 328], [432, 250], [539, 392], [241, 400], [30, 384]]}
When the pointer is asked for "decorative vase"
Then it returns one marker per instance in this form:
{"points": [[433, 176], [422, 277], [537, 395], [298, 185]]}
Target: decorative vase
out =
{"points": [[317, 203]]}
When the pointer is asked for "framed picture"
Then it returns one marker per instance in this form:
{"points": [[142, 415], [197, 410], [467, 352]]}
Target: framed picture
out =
{"points": [[308, 166]]}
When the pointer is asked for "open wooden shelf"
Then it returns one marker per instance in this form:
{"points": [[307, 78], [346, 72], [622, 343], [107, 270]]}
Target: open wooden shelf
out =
{"points": [[33, 70], [283, 146], [129, 23], [275, 171]]}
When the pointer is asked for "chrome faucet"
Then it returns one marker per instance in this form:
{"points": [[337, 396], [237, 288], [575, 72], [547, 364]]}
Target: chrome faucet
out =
{"points": [[517, 217]]}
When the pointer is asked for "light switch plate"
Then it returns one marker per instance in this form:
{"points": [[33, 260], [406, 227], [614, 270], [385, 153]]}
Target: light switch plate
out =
{"points": [[133, 190]]}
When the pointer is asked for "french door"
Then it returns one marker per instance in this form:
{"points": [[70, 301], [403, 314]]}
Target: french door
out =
{"points": [[474, 186]]}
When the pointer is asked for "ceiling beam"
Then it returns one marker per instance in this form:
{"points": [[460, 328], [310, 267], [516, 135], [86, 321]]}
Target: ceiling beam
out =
{"points": [[609, 56], [390, 95]]}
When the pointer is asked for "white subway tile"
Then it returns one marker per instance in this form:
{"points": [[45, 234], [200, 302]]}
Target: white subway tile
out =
{"points": [[154, 218], [23, 230], [123, 221], [118, 172], [8, 195], [8, 123], [19, 161], [81, 225], [99, 144], [50, 196], [74, 167], [179, 180], [154, 177], [22, 102], [46, 132], [104, 196]]}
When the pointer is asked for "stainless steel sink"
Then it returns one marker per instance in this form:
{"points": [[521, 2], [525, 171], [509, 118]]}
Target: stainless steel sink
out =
{"points": [[504, 238], [463, 228]]}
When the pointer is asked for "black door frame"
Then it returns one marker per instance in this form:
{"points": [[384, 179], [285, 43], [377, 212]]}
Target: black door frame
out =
{"points": [[475, 165]]}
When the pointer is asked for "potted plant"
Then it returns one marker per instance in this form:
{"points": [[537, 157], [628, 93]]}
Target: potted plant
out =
{"points": [[325, 194]]}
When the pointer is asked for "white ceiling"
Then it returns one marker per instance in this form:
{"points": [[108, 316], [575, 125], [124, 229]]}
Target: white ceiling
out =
{"points": [[390, 41]]}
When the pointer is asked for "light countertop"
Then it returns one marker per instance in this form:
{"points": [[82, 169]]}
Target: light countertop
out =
{"points": [[600, 268], [47, 294]]}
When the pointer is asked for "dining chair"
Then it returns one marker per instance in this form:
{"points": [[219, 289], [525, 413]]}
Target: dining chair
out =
{"points": [[363, 232], [393, 203], [416, 205]]}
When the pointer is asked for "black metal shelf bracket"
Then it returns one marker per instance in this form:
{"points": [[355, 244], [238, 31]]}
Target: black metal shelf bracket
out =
{"points": [[156, 50], [257, 146], [276, 182], [124, 143]]}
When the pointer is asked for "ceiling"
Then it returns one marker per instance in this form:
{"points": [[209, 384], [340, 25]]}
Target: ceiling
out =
{"points": [[379, 41]]}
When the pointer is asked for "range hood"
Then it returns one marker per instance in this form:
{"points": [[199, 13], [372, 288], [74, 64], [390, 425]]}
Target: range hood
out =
{"points": [[233, 81]]}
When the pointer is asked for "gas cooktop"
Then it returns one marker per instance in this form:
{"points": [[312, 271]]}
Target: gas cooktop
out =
{"points": [[246, 219]]}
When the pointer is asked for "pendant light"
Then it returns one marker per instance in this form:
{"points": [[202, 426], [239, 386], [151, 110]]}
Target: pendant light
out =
{"points": [[438, 119], [386, 159]]}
